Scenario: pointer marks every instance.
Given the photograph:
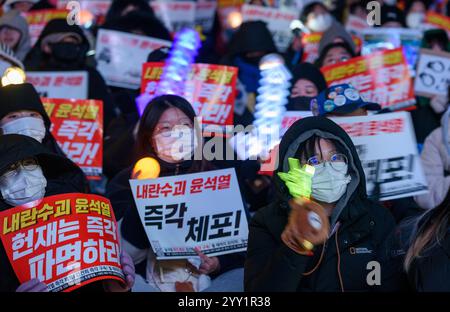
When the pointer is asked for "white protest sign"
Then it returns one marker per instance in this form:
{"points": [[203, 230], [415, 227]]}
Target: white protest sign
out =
{"points": [[432, 73], [387, 147], [277, 20], [204, 14], [60, 84], [182, 212], [356, 25], [292, 116], [175, 14], [120, 56]]}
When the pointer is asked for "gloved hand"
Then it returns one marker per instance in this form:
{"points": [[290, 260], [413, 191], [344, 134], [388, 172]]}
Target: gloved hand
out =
{"points": [[298, 179], [128, 270], [33, 285], [308, 225], [439, 103]]}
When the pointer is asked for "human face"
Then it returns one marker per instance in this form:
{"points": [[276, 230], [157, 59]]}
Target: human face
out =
{"points": [[161, 139], [19, 114], [304, 87], [318, 10], [10, 36], [336, 55]]}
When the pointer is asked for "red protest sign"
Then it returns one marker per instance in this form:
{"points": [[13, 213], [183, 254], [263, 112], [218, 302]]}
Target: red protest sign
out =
{"points": [[77, 126], [382, 77], [66, 241], [310, 44], [210, 88], [39, 18]]}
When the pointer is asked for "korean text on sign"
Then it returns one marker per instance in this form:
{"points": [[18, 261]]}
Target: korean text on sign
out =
{"points": [[77, 126], [202, 210], [66, 241]]}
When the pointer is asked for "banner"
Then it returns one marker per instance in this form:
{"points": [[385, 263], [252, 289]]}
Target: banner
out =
{"points": [[438, 21], [382, 77], [292, 116], [379, 39], [204, 15], [175, 15], [433, 73], [66, 241], [115, 49], [60, 84], [38, 19], [356, 25], [211, 89], [203, 210], [77, 126], [278, 22], [310, 44], [396, 167]]}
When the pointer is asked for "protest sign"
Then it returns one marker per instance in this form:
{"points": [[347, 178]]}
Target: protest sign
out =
{"points": [[310, 44], [38, 19], [432, 74], [115, 49], [356, 25], [204, 14], [60, 84], [278, 22], [290, 117], [209, 88], [396, 167], [438, 21], [175, 15], [203, 210], [66, 241], [77, 126], [382, 77], [381, 38]]}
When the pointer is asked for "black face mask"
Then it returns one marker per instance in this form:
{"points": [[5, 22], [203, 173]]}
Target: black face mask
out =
{"points": [[68, 52], [299, 103]]}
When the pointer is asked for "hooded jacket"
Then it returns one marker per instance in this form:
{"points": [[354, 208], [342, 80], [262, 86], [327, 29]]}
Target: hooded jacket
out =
{"points": [[24, 97], [360, 229], [38, 61], [334, 32], [435, 158], [14, 20], [61, 175]]}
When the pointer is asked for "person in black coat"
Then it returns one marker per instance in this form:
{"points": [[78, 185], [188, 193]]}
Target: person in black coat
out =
{"points": [[22, 112], [29, 172], [335, 259], [63, 47]]}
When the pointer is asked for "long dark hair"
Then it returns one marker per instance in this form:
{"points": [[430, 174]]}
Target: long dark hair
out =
{"points": [[152, 113], [307, 148], [429, 230]]}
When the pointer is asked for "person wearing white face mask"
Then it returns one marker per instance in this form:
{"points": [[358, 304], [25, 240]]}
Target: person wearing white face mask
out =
{"points": [[316, 17], [22, 112], [167, 134], [325, 242], [415, 13]]}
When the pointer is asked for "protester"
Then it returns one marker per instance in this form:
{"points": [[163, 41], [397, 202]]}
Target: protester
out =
{"points": [[121, 8], [334, 53], [415, 12], [161, 117], [30, 172], [336, 34], [14, 33], [307, 82], [436, 164], [392, 17], [22, 112], [316, 17], [63, 47], [338, 185]]}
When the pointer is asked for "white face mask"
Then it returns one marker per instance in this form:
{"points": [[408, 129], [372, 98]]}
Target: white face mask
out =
{"points": [[176, 145], [320, 23], [23, 187], [329, 183], [29, 126], [415, 20]]}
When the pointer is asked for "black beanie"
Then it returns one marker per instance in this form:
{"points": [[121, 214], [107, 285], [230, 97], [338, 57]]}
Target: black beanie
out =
{"points": [[309, 72], [18, 97]]}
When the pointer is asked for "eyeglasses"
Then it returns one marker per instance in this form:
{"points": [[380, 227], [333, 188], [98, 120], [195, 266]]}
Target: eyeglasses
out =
{"points": [[27, 164], [336, 160]]}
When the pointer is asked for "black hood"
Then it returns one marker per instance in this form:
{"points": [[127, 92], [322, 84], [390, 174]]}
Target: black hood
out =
{"points": [[251, 37], [60, 25], [22, 97], [15, 147], [302, 130]]}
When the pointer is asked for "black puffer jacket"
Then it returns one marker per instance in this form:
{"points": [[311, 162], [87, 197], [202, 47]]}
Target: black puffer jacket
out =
{"points": [[358, 240], [61, 175]]}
